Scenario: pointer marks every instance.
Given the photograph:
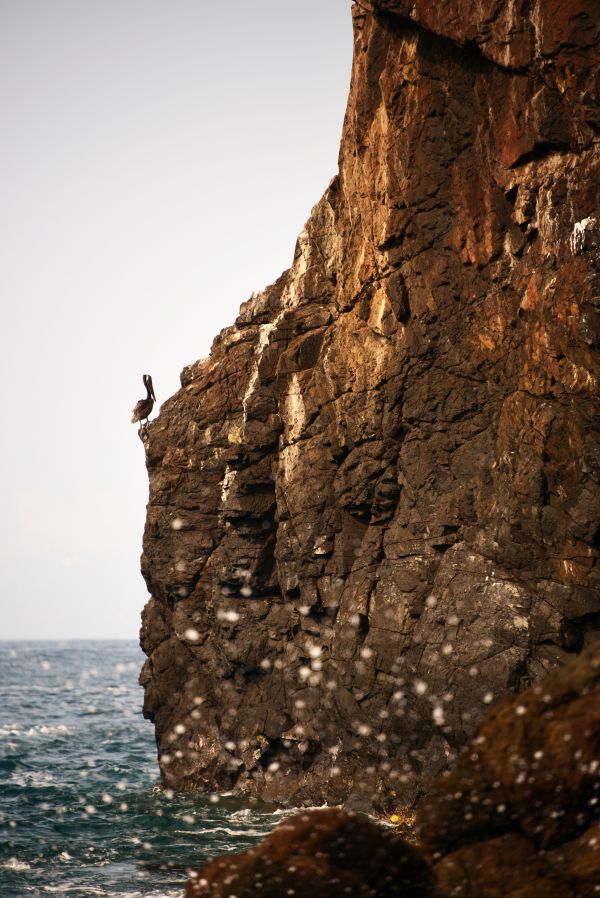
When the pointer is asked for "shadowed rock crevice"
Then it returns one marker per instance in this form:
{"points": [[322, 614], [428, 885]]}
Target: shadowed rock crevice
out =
{"points": [[374, 509]]}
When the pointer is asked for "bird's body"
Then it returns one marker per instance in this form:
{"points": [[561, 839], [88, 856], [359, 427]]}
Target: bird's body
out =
{"points": [[144, 407]]}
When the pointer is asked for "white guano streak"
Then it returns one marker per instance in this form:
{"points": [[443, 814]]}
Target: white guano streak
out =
{"points": [[227, 483], [290, 299], [264, 333], [295, 411], [577, 238]]}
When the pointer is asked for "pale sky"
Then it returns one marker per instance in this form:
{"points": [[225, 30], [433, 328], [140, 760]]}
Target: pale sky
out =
{"points": [[158, 160]]}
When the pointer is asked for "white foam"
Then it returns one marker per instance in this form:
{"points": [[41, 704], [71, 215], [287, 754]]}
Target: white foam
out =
{"points": [[14, 864], [225, 830], [287, 812], [245, 814], [32, 778], [154, 895], [40, 729], [135, 894]]}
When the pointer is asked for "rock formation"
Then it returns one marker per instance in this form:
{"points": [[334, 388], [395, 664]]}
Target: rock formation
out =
{"points": [[320, 854], [518, 817], [375, 507]]}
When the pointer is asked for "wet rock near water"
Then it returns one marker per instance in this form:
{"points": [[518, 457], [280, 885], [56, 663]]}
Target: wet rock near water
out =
{"points": [[319, 854], [518, 817], [375, 508]]}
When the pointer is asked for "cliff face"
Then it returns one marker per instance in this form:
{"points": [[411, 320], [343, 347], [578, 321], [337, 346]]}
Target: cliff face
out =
{"points": [[375, 507]]}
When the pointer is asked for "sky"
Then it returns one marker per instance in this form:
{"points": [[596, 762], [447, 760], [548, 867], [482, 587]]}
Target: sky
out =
{"points": [[159, 159]]}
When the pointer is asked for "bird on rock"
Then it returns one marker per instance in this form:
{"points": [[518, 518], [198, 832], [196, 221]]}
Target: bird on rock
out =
{"points": [[144, 407]]}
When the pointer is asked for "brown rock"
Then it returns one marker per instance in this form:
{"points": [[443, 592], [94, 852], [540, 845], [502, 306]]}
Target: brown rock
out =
{"points": [[376, 505], [506, 867], [518, 815], [316, 855]]}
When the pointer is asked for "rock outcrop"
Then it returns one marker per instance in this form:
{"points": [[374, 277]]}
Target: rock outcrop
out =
{"points": [[375, 507], [518, 817], [316, 855]]}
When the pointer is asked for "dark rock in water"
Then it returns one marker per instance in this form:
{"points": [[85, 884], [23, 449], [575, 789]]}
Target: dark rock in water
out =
{"points": [[375, 507], [316, 855], [518, 817]]}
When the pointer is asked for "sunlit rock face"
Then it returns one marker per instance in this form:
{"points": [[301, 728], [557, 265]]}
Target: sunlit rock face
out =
{"points": [[375, 507]]}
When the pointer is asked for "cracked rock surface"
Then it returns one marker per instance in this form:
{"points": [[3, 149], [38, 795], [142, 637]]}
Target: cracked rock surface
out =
{"points": [[518, 817], [375, 507]]}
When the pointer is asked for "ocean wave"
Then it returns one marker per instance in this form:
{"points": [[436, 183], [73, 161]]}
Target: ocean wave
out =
{"points": [[40, 729], [35, 779], [64, 758], [176, 894], [92, 890], [15, 864], [244, 814], [225, 830], [289, 812]]}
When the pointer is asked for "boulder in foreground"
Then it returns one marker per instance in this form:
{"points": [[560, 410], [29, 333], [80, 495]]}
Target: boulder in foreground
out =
{"points": [[317, 854], [519, 816]]}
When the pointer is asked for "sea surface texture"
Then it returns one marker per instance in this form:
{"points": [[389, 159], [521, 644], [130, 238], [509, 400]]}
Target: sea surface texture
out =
{"points": [[81, 811]]}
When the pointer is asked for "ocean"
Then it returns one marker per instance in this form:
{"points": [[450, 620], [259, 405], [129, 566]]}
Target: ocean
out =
{"points": [[81, 810]]}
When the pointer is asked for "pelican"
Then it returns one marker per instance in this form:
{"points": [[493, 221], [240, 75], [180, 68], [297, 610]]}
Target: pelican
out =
{"points": [[144, 407]]}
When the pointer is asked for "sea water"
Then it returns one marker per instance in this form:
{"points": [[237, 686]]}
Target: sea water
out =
{"points": [[81, 810]]}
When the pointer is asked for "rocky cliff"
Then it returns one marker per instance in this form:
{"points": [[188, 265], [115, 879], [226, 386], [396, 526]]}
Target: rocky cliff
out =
{"points": [[375, 507]]}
